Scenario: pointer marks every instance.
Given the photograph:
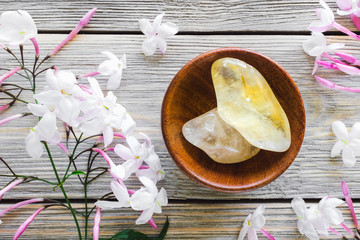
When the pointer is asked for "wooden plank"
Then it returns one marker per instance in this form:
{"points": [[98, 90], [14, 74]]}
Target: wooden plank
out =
{"points": [[190, 15], [187, 221], [313, 174]]}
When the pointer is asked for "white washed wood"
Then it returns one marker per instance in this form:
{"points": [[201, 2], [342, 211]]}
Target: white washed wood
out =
{"points": [[312, 175], [190, 15], [187, 221]]}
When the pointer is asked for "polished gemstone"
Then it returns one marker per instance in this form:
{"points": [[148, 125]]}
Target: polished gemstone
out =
{"points": [[246, 102], [218, 139]]}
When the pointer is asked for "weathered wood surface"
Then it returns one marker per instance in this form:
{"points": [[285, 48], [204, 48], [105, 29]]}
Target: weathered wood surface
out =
{"points": [[187, 221], [312, 175], [190, 15]]}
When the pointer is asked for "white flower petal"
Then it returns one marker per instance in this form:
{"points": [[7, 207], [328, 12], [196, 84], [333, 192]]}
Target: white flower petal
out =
{"points": [[162, 197], [120, 193], [123, 152], [149, 46], [149, 185], [339, 130], [243, 231], [108, 67], [108, 134], [348, 157], [145, 216], [114, 80], [51, 80], [316, 40], [332, 203], [355, 131], [162, 45], [92, 127], [334, 216], [354, 145], [37, 109], [47, 126], [95, 88], [142, 200], [337, 148], [252, 234], [145, 27], [128, 125], [299, 206], [50, 97], [157, 22], [66, 81], [117, 171], [110, 56], [108, 205], [168, 29], [33, 145], [335, 46]]}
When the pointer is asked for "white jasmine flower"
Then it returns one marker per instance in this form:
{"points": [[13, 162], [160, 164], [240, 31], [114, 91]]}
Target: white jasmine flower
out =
{"points": [[112, 67], [103, 114], [45, 130], [253, 222], [61, 96], [304, 224], [326, 18], [121, 194], [326, 214], [156, 34], [148, 200], [347, 143], [134, 155], [16, 27], [155, 171], [316, 46]]}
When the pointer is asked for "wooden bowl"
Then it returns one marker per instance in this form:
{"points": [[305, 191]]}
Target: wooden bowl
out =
{"points": [[191, 93]]}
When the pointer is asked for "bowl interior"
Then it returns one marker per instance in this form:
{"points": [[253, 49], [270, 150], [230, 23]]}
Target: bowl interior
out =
{"points": [[191, 93]]}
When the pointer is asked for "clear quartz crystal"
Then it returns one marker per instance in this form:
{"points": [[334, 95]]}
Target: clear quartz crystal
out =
{"points": [[246, 102], [218, 139]]}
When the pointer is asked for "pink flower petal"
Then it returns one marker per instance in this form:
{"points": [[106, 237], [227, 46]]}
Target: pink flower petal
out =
{"points": [[23, 226], [328, 84], [356, 20], [96, 228], [349, 202], [348, 69], [347, 57]]}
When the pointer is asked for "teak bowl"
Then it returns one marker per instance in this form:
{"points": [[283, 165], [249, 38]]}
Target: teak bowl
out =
{"points": [[191, 93]]}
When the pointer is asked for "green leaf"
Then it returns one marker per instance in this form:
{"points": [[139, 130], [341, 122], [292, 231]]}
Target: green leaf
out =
{"points": [[164, 230], [77, 172], [130, 234]]}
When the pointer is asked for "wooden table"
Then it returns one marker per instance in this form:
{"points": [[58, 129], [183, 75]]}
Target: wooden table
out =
{"points": [[275, 28]]}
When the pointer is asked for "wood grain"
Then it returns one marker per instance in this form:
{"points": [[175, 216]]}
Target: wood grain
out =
{"points": [[190, 15], [187, 221], [313, 173], [191, 93]]}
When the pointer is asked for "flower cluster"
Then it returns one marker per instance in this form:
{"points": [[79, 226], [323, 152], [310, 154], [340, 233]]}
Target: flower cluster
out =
{"points": [[317, 220], [88, 114], [316, 46]]}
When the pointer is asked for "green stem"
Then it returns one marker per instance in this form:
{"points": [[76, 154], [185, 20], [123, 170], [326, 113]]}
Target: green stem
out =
{"points": [[63, 190], [28, 177]]}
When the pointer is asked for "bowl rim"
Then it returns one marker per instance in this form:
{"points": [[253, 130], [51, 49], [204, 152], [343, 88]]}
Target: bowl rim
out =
{"points": [[192, 175]]}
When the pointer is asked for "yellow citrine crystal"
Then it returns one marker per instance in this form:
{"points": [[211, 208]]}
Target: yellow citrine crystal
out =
{"points": [[246, 102], [218, 139]]}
